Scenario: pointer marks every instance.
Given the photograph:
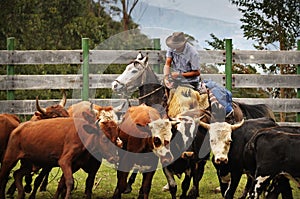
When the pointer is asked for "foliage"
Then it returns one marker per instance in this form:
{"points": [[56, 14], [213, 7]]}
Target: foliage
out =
{"points": [[268, 21], [60, 25]]}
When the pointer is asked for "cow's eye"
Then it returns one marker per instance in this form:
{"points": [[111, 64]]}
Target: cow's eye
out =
{"points": [[157, 142]]}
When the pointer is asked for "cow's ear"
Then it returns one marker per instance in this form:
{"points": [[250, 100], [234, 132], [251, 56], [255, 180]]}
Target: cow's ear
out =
{"points": [[37, 113], [90, 129], [89, 118]]}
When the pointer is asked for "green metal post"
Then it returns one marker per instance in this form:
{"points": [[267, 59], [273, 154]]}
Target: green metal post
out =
{"points": [[10, 68], [85, 69], [298, 89], [228, 66], [156, 46]]}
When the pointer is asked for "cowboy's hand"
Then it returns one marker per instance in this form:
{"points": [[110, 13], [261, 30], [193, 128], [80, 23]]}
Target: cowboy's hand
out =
{"points": [[175, 75], [167, 83]]}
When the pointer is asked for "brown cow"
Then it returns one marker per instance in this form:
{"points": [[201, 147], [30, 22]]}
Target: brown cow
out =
{"points": [[57, 110], [106, 118], [8, 122], [146, 137], [53, 142]]}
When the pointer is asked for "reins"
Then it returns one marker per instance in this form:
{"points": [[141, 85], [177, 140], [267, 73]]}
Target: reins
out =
{"points": [[148, 94]]}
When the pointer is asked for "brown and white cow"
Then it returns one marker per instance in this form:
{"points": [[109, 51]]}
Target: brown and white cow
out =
{"points": [[146, 139], [53, 142]]}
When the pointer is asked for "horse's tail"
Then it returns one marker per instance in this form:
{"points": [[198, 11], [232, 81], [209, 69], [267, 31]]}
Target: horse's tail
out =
{"points": [[252, 111]]}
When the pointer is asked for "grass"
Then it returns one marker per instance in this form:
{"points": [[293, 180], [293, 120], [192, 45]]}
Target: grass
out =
{"points": [[106, 181]]}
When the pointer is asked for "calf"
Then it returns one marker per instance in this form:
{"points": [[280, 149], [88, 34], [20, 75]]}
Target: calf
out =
{"points": [[227, 144], [272, 154], [49, 143], [146, 137]]}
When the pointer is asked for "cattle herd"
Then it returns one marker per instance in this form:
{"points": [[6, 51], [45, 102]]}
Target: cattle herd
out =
{"points": [[82, 135]]}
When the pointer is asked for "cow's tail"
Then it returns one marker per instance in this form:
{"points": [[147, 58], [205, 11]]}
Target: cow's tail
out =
{"points": [[252, 111]]}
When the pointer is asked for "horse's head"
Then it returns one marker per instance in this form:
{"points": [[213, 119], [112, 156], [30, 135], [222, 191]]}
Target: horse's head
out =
{"points": [[131, 78]]}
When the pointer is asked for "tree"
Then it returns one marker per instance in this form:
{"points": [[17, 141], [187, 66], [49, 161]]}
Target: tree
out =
{"points": [[268, 22], [123, 8]]}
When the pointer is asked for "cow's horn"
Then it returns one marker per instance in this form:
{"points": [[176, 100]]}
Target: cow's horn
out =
{"points": [[64, 99], [236, 126], [120, 107], [205, 125], [41, 110]]}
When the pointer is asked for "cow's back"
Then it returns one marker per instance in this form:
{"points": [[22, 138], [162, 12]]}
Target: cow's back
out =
{"points": [[35, 139], [241, 136]]}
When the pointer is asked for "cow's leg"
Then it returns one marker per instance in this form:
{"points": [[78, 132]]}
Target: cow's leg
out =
{"points": [[66, 167], [18, 175], [131, 181], [197, 171], [261, 182], [60, 191], [92, 171], [171, 182], [146, 185], [121, 184], [38, 180], [235, 179], [185, 185], [44, 184], [279, 185], [6, 167], [247, 187], [28, 181]]}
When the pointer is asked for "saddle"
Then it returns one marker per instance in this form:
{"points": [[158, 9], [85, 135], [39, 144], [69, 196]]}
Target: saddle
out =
{"points": [[184, 98]]}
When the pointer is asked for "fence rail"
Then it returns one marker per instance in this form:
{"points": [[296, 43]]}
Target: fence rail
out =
{"points": [[13, 82]]}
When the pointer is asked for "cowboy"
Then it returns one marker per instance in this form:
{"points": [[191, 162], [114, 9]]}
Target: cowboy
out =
{"points": [[183, 62]]}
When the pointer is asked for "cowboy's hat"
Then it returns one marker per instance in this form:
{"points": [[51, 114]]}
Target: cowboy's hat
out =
{"points": [[176, 40]]}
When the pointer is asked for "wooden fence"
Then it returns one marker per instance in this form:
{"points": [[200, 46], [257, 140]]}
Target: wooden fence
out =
{"points": [[86, 81]]}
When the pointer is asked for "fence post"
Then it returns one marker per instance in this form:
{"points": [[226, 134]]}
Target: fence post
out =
{"points": [[228, 65], [298, 73], [85, 69], [156, 46], [10, 95]]}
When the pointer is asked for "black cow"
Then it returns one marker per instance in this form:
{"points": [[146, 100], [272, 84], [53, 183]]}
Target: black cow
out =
{"points": [[272, 152], [231, 167]]}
